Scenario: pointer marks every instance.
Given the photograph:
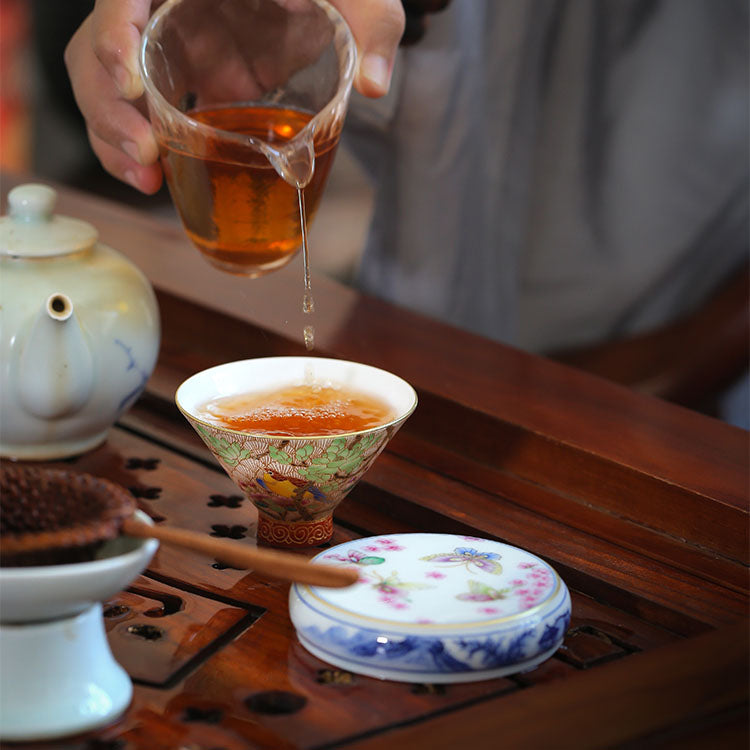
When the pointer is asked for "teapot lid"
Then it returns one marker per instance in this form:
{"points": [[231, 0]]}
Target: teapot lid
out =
{"points": [[31, 230]]}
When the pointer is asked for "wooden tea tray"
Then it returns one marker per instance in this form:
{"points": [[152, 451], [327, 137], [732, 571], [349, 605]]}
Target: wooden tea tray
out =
{"points": [[640, 505]]}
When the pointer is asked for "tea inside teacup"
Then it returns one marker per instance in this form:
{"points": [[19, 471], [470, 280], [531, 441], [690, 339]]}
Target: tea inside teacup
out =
{"points": [[303, 410]]}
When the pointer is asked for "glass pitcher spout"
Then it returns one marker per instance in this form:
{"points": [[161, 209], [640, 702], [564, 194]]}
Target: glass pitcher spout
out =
{"points": [[294, 161]]}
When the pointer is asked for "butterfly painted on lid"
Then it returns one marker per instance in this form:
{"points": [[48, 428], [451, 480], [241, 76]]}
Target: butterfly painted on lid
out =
{"points": [[470, 557], [480, 592], [392, 590]]}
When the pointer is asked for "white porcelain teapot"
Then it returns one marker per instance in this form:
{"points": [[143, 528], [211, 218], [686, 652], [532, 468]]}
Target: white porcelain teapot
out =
{"points": [[79, 331]]}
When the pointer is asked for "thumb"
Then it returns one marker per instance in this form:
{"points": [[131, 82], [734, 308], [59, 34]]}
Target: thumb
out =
{"points": [[377, 26]]}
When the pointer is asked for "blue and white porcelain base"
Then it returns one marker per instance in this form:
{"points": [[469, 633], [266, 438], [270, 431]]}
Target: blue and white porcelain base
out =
{"points": [[368, 670], [434, 608]]}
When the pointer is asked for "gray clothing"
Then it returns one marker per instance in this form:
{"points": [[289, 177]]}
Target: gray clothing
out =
{"points": [[553, 173]]}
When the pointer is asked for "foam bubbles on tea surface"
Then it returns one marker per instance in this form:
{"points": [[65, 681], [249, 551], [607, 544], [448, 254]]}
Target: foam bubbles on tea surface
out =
{"points": [[300, 410]]}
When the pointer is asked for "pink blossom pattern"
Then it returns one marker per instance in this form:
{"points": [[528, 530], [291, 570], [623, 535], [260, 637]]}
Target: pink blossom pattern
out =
{"points": [[356, 557], [389, 544], [533, 587]]}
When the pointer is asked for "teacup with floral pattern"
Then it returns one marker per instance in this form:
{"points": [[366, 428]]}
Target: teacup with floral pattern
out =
{"points": [[294, 482]]}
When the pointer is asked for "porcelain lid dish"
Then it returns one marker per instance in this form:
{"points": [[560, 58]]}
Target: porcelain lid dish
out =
{"points": [[434, 608]]}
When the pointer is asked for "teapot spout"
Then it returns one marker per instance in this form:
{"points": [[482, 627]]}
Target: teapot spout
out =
{"points": [[56, 368]]}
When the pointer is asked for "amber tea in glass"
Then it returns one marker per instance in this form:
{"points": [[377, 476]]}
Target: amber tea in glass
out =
{"points": [[247, 101], [244, 216]]}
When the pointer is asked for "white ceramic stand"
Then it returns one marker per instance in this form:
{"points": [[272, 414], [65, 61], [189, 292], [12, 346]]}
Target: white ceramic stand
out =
{"points": [[57, 673], [59, 678]]}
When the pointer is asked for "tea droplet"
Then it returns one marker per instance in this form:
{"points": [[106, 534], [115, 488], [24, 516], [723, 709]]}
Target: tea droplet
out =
{"points": [[309, 334], [308, 304]]}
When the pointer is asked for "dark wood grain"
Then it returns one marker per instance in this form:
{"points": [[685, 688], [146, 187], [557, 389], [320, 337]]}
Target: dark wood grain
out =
{"points": [[641, 505], [632, 697]]}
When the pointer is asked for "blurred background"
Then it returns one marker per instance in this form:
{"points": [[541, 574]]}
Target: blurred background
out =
{"points": [[42, 132]]}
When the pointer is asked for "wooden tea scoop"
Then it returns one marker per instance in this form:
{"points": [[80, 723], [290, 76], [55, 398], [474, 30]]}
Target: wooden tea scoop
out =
{"points": [[285, 566]]}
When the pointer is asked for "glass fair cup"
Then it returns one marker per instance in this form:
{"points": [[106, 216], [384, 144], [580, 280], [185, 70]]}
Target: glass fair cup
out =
{"points": [[247, 101]]}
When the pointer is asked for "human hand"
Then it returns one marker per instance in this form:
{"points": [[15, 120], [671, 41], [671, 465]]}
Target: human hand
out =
{"points": [[377, 26], [102, 63]]}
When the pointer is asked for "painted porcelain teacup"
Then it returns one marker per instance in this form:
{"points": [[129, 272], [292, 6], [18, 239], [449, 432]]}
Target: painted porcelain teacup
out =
{"points": [[294, 481]]}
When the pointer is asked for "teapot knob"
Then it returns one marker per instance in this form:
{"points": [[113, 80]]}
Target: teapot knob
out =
{"points": [[32, 203]]}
